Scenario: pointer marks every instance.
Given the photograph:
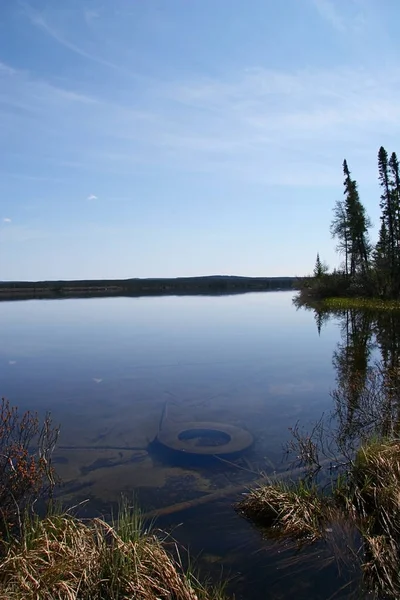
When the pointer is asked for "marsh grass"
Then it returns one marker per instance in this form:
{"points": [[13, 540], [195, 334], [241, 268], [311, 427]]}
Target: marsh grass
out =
{"points": [[295, 510], [65, 558], [358, 517], [373, 304], [374, 491]]}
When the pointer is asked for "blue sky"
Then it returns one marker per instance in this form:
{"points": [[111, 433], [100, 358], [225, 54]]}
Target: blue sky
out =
{"points": [[145, 138]]}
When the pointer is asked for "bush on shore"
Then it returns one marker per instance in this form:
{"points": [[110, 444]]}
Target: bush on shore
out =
{"points": [[26, 471]]}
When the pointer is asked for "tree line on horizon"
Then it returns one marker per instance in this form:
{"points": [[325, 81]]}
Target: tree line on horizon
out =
{"points": [[366, 269]]}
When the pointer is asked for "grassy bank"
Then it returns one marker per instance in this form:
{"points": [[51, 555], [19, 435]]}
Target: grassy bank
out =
{"points": [[64, 558], [363, 503], [337, 304], [373, 304]]}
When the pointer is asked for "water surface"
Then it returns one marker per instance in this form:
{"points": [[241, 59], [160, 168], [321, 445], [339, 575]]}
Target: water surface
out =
{"points": [[107, 368]]}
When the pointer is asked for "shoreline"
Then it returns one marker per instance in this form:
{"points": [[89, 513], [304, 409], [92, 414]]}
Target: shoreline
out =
{"points": [[208, 285], [337, 304]]}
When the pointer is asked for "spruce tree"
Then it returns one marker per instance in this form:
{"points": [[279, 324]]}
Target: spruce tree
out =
{"points": [[387, 254], [381, 262], [395, 185], [357, 226], [388, 215], [318, 269], [340, 231]]}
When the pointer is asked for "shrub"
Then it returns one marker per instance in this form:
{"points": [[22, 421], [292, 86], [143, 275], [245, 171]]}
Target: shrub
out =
{"points": [[26, 472]]}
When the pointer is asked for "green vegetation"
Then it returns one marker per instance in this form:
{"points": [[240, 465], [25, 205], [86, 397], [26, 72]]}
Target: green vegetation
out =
{"points": [[366, 271], [372, 304], [59, 556], [26, 472]]}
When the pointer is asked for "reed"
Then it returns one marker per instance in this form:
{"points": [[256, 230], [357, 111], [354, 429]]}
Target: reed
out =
{"points": [[65, 558]]}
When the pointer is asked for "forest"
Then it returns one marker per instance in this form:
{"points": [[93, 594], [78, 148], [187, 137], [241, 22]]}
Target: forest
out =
{"points": [[366, 270]]}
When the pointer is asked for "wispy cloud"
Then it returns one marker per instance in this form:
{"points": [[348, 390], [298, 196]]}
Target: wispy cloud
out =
{"points": [[91, 197], [73, 96], [27, 177], [39, 20], [260, 117], [256, 124], [6, 69], [91, 16], [6, 220], [329, 11], [353, 17]]}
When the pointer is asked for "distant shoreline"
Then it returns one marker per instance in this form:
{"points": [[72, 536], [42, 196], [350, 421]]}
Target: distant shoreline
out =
{"points": [[185, 286]]}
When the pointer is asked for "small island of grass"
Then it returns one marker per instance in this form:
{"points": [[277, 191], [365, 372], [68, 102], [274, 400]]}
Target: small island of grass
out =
{"points": [[346, 501], [358, 515]]}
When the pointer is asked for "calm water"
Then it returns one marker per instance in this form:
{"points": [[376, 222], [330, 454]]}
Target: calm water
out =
{"points": [[106, 369]]}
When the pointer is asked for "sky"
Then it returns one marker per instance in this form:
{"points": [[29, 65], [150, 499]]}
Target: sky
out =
{"points": [[164, 138]]}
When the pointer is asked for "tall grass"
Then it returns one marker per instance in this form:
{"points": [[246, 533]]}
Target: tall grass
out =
{"points": [[294, 510], [363, 504], [65, 558]]}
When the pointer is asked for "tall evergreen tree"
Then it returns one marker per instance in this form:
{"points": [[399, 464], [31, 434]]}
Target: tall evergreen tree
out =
{"points": [[357, 225], [367, 270], [395, 181], [340, 231], [321, 268], [395, 184], [386, 201], [381, 262], [388, 252]]}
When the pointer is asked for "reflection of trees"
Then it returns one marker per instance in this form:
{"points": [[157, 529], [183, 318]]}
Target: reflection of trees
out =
{"points": [[387, 332], [351, 360], [366, 412], [321, 317], [367, 394]]}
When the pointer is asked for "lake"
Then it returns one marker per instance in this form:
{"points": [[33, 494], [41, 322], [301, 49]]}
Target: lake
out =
{"points": [[108, 369]]}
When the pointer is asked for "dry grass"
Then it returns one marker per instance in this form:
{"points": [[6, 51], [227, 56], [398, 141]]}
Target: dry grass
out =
{"points": [[295, 510], [64, 558], [375, 479], [374, 491], [381, 565], [360, 522]]}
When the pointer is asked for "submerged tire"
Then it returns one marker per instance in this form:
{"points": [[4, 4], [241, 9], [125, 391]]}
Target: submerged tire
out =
{"points": [[185, 437]]}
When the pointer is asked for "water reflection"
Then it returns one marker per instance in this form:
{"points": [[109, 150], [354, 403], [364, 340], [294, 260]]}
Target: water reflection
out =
{"points": [[367, 367], [365, 414], [106, 368]]}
